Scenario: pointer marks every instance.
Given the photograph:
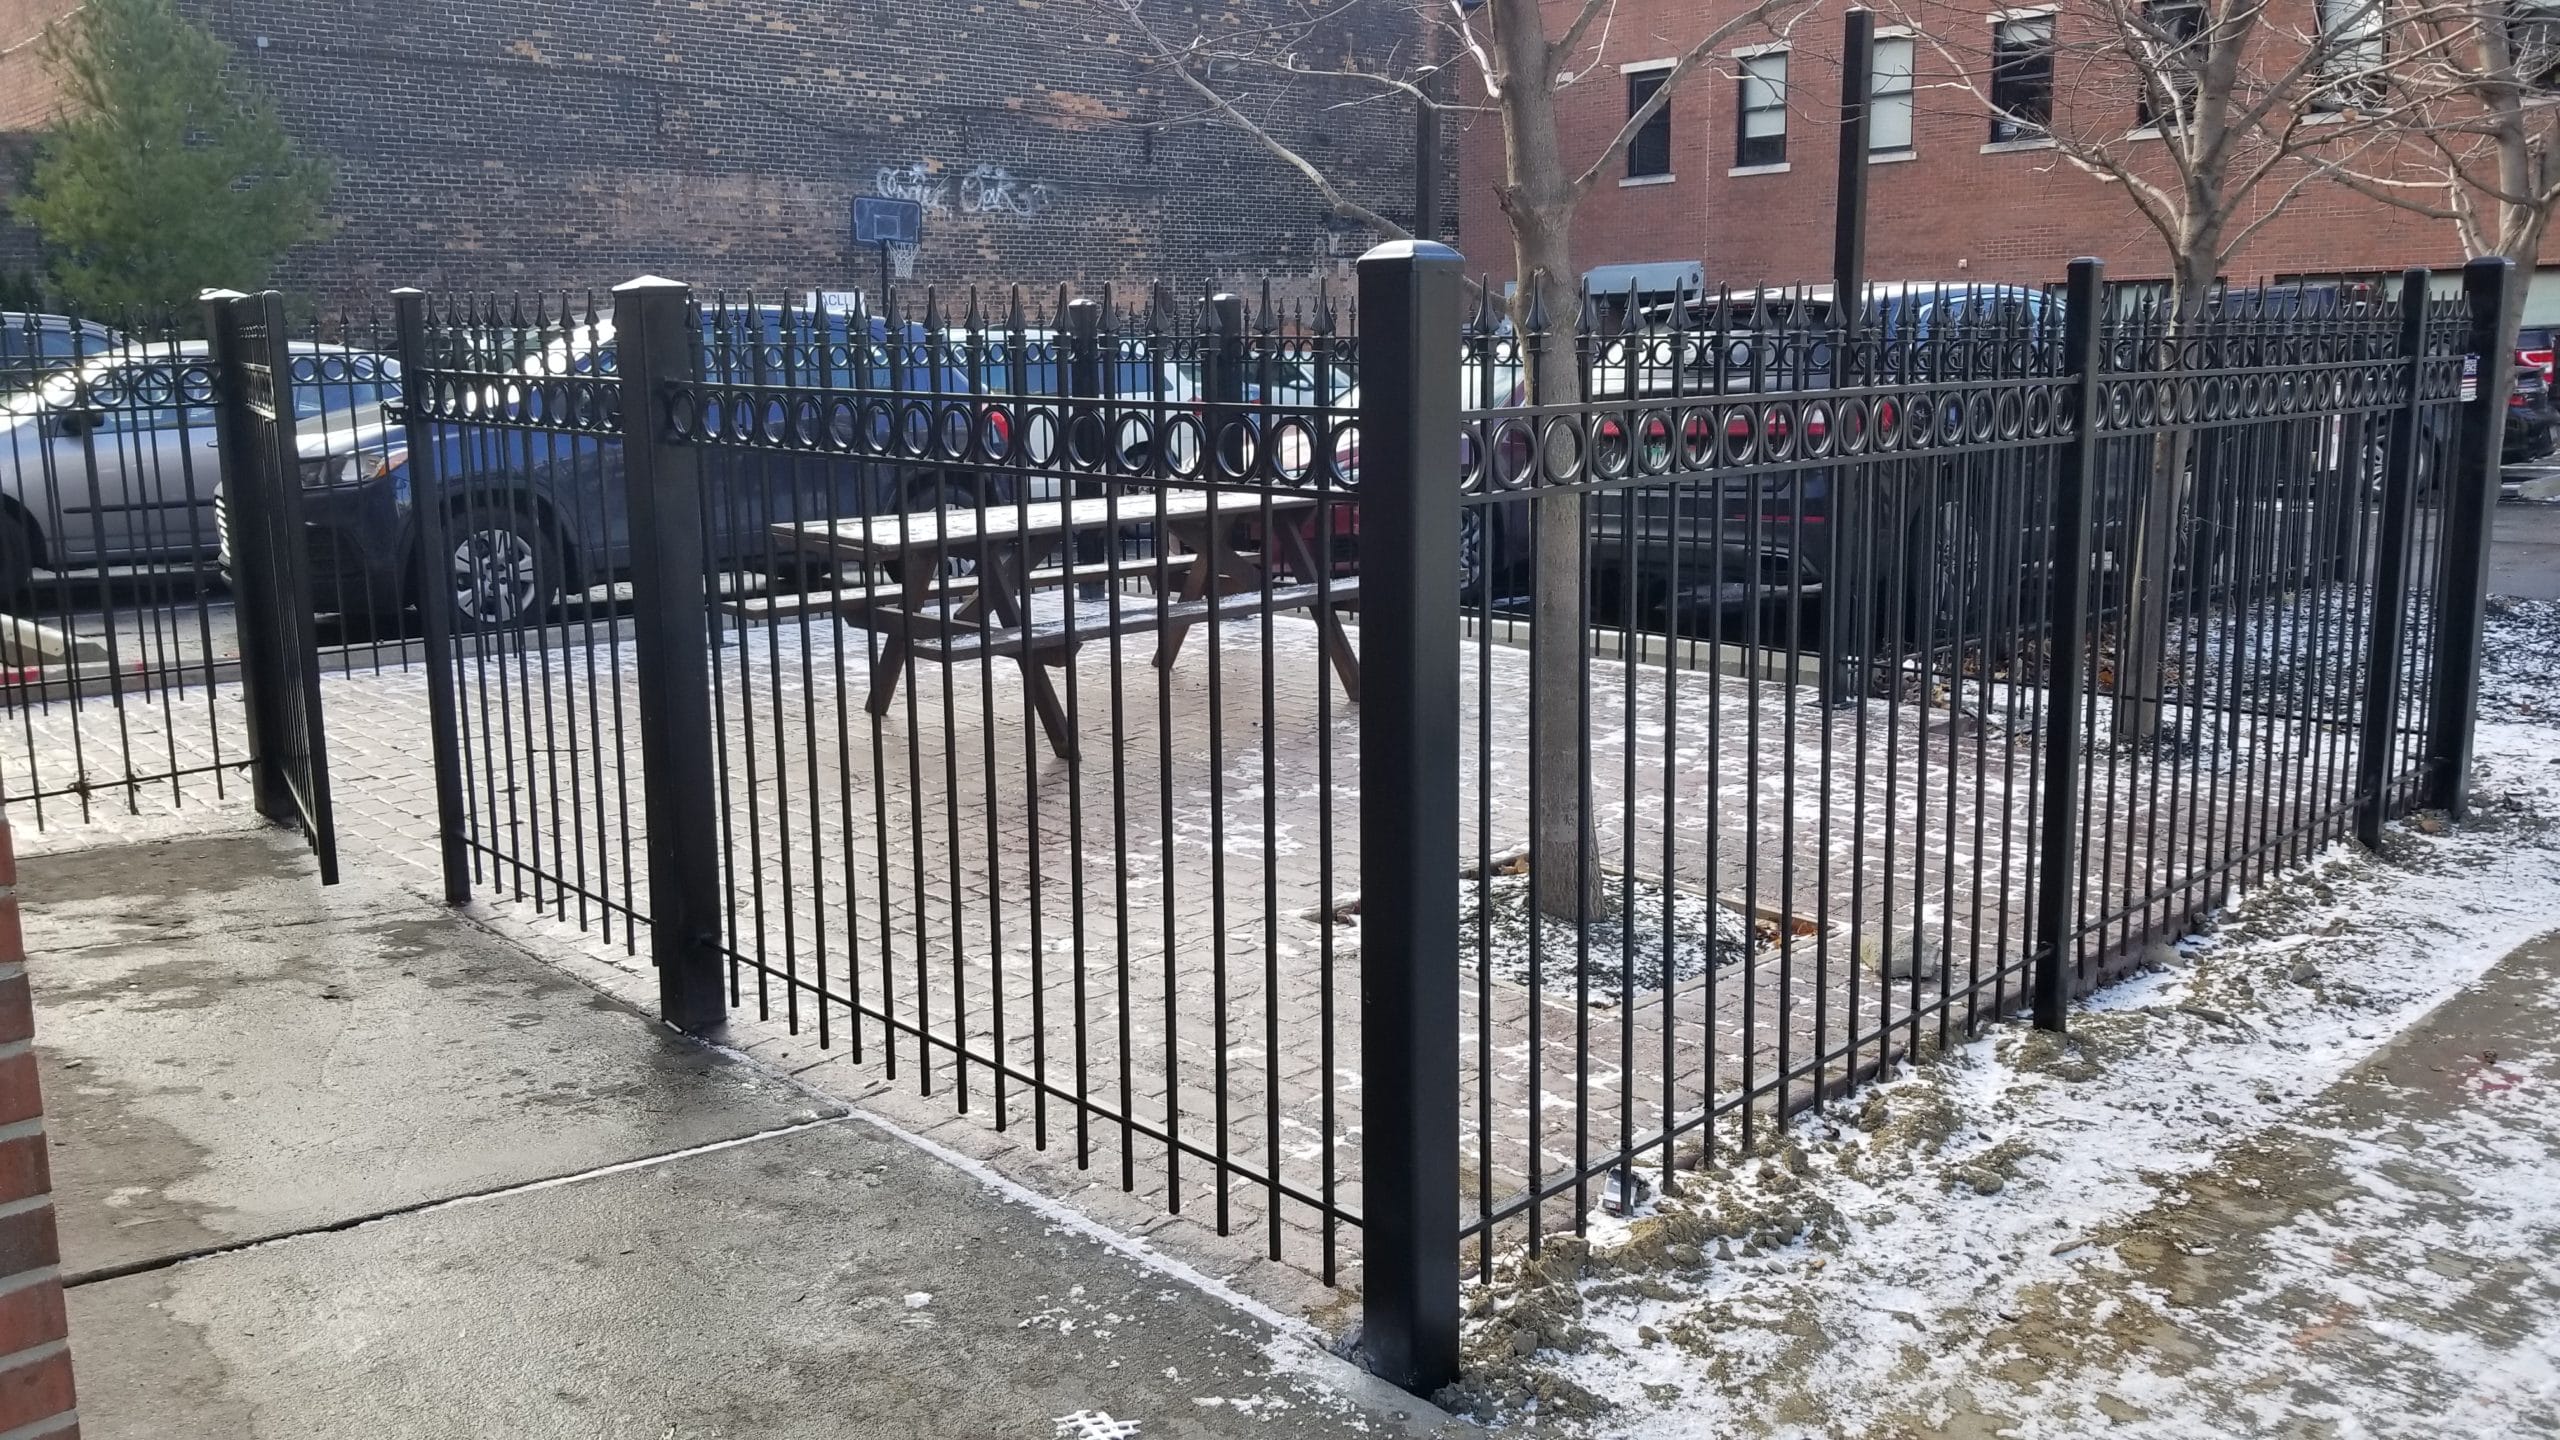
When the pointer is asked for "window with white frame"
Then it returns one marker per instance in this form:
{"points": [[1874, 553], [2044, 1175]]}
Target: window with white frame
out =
{"points": [[1889, 97], [1649, 153], [2021, 78], [1761, 123], [2350, 42]]}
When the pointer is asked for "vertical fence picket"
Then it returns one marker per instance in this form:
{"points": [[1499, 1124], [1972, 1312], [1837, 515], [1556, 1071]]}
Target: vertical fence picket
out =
{"points": [[435, 612], [2388, 623]]}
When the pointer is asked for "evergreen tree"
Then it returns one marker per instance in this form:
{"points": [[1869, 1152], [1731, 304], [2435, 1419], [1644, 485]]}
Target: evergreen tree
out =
{"points": [[159, 181]]}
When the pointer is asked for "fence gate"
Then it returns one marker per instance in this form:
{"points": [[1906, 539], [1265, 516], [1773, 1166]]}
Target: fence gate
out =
{"points": [[259, 512]]}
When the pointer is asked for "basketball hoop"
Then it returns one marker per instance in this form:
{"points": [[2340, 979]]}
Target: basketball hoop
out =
{"points": [[896, 226]]}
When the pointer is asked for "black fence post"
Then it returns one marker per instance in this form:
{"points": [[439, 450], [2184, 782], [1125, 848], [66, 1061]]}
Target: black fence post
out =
{"points": [[2470, 492], [435, 615], [2057, 930], [671, 630], [1409, 373], [248, 452], [2388, 626], [237, 443]]}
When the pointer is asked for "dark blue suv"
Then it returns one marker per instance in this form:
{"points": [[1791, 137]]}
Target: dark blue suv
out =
{"points": [[535, 517]]}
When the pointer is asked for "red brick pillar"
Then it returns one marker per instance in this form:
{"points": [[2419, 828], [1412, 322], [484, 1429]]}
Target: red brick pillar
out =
{"points": [[35, 1349]]}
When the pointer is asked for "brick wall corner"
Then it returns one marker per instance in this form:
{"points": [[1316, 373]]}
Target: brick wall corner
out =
{"points": [[36, 1398]]}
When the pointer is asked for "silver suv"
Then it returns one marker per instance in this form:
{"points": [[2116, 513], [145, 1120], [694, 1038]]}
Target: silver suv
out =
{"points": [[115, 462]]}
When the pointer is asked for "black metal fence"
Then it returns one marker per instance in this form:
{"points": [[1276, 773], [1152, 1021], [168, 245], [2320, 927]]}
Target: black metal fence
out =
{"points": [[120, 640], [1921, 666], [1044, 701], [1383, 786]]}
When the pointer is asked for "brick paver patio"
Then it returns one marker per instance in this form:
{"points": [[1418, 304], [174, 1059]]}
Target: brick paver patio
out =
{"points": [[1135, 927]]}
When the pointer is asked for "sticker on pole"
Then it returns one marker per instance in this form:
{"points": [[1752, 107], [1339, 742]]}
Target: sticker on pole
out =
{"points": [[2470, 378]]}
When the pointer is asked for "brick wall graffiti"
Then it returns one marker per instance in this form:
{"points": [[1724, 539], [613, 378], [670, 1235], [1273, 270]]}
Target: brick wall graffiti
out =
{"points": [[534, 145]]}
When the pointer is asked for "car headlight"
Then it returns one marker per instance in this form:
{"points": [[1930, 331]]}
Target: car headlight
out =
{"points": [[355, 468]]}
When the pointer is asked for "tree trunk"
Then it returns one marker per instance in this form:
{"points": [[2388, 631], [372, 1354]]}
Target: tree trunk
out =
{"points": [[2142, 642], [1537, 198]]}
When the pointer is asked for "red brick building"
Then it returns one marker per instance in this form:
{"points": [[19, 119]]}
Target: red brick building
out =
{"points": [[1748, 199]]}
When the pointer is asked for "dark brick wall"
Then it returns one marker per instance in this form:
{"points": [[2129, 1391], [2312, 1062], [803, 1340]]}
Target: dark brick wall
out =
{"points": [[544, 143]]}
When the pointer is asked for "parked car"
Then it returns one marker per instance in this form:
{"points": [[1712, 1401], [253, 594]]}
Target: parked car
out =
{"points": [[536, 515], [34, 345], [115, 463], [1755, 536], [2539, 347], [2533, 421]]}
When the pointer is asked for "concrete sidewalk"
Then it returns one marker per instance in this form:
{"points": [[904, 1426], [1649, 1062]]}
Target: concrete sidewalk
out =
{"points": [[337, 1163], [2378, 1265]]}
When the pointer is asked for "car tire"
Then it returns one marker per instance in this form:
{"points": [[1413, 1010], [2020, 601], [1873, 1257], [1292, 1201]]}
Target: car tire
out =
{"points": [[1946, 578], [17, 562], [502, 571]]}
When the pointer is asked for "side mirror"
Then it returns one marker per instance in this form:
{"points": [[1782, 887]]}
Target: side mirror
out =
{"points": [[72, 424]]}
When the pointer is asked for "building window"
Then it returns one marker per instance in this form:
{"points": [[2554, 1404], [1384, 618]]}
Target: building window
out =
{"points": [[1649, 154], [2021, 78], [2172, 30], [1889, 98], [2351, 55], [2533, 38], [1762, 137]]}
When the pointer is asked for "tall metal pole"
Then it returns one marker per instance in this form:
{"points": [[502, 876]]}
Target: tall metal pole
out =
{"points": [[1849, 211]]}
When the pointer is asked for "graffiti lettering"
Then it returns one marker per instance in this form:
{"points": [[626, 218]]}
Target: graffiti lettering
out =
{"points": [[984, 190], [992, 190], [913, 181]]}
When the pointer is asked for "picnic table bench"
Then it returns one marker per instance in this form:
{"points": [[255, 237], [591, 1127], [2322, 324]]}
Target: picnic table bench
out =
{"points": [[927, 614]]}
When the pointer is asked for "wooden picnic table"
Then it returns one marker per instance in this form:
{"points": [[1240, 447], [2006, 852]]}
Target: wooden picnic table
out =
{"points": [[935, 616]]}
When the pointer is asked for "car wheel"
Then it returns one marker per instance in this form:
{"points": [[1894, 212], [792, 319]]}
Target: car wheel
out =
{"points": [[17, 562], [1471, 555], [501, 572], [1946, 588]]}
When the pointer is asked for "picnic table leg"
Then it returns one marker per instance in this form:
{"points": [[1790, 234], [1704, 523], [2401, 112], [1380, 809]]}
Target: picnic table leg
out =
{"points": [[915, 586], [1207, 568], [1337, 645], [1006, 589]]}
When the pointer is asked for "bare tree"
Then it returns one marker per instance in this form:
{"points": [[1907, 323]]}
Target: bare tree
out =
{"points": [[2460, 97], [1512, 64], [2209, 117]]}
